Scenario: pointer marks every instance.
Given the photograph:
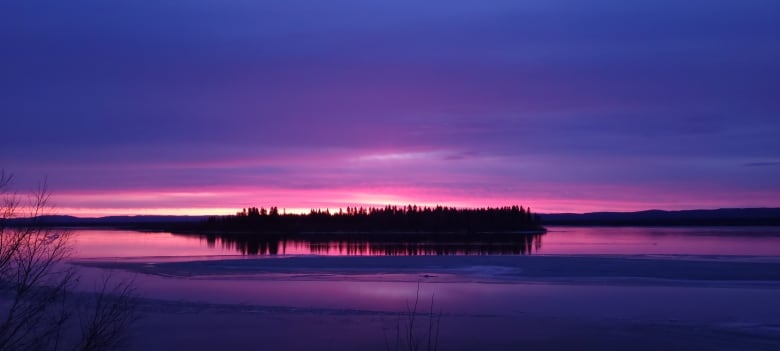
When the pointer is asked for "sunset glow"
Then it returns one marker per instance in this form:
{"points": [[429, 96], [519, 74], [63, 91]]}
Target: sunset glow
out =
{"points": [[204, 107], [389, 175]]}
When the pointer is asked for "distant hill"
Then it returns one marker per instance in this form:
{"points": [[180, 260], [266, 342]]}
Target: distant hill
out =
{"points": [[719, 217], [71, 221]]}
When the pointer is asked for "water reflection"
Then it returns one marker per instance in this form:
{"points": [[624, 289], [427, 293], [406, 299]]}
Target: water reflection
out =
{"points": [[504, 244], [93, 243]]}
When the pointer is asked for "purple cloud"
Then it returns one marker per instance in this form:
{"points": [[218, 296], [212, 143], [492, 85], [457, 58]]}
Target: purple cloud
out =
{"points": [[550, 100]]}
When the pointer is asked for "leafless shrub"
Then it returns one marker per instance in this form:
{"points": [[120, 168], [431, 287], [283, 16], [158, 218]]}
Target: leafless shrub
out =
{"points": [[37, 308], [109, 316], [408, 335]]}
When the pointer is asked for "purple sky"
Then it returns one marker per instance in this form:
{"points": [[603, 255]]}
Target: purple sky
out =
{"points": [[193, 106]]}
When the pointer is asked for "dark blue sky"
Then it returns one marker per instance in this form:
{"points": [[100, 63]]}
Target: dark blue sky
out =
{"points": [[204, 106]]}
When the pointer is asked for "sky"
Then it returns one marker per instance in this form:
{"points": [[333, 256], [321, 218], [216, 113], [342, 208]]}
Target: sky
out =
{"points": [[206, 107]]}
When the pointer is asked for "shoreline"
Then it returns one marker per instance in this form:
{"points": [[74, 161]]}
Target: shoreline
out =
{"points": [[506, 269], [336, 234]]}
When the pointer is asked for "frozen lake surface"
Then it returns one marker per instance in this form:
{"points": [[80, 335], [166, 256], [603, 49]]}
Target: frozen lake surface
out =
{"points": [[580, 288]]}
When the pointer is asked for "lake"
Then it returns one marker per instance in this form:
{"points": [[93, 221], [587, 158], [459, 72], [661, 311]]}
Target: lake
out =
{"points": [[571, 288], [94, 243]]}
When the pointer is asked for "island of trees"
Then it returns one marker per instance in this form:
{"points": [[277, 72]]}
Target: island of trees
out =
{"points": [[389, 230], [388, 219]]}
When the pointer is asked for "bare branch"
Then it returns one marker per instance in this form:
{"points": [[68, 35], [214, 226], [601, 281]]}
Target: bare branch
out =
{"points": [[38, 284], [112, 313], [406, 337]]}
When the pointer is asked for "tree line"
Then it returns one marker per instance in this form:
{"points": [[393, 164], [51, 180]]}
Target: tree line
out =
{"points": [[401, 219]]}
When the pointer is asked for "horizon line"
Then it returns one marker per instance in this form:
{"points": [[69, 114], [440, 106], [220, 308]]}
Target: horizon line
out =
{"points": [[299, 211]]}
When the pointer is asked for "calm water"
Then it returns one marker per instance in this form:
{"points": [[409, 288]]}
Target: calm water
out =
{"points": [[763, 241], [356, 311]]}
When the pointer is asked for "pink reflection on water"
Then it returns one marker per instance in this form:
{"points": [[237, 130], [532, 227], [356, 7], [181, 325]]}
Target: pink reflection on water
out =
{"points": [[94, 243], [761, 241], [558, 241]]}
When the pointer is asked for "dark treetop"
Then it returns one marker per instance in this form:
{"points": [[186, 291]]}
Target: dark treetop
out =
{"points": [[388, 219]]}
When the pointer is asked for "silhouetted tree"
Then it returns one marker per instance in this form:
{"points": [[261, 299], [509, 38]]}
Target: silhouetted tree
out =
{"points": [[410, 218], [37, 287]]}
